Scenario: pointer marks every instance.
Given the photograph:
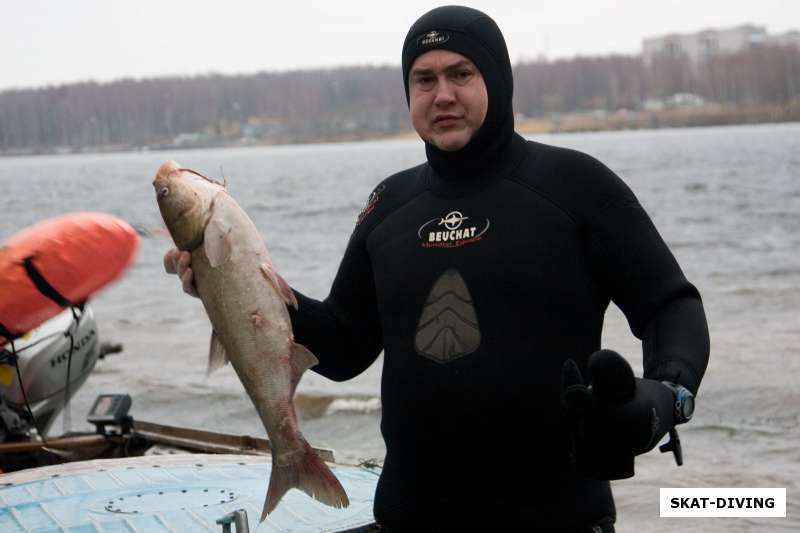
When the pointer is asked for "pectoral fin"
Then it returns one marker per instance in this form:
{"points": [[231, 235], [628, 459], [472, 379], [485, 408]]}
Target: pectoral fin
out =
{"points": [[217, 242], [280, 285], [217, 358]]}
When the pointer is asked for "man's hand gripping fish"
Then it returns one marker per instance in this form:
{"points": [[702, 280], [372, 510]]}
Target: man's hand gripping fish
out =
{"points": [[246, 300]]}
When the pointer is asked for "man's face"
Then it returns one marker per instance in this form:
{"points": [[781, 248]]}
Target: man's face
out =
{"points": [[447, 97]]}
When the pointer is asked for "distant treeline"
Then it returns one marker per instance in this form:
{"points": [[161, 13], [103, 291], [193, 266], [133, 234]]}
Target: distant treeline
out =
{"points": [[767, 75], [359, 102]]}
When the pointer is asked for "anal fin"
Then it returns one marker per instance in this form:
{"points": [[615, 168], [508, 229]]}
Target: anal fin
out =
{"points": [[302, 359]]}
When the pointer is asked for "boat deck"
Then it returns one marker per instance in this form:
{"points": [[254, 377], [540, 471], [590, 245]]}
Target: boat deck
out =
{"points": [[171, 493]]}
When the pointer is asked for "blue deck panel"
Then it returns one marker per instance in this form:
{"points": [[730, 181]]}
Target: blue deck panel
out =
{"points": [[171, 494]]}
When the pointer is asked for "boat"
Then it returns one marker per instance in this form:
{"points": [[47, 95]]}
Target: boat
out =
{"points": [[126, 475], [134, 475], [150, 477]]}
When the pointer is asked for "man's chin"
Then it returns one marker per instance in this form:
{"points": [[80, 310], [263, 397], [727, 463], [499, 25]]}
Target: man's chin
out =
{"points": [[449, 144]]}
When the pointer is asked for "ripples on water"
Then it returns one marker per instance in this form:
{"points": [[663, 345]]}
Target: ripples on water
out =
{"points": [[727, 200]]}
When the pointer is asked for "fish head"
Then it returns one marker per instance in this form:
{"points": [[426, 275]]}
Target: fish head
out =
{"points": [[185, 203]]}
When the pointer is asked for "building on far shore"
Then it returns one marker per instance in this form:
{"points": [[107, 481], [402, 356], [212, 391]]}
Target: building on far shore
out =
{"points": [[790, 38], [700, 46]]}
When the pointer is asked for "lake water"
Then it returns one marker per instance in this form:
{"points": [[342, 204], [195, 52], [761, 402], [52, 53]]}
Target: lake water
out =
{"points": [[727, 200]]}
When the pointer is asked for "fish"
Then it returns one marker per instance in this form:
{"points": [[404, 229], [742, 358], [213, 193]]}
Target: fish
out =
{"points": [[246, 301]]}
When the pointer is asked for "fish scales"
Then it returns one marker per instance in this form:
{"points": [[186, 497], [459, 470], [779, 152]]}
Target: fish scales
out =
{"points": [[250, 319]]}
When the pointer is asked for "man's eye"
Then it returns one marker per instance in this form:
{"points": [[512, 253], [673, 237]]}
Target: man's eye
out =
{"points": [[463, 76], [424, 82]]}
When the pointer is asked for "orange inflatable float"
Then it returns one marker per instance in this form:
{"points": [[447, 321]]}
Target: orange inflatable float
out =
{"points": [[59, 263]]}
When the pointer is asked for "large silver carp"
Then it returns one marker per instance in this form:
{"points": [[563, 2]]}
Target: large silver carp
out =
{"points": [[246, 300]]}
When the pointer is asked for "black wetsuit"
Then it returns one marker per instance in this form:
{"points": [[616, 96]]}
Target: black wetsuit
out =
{"points": [[479, 273], [478, 291]]}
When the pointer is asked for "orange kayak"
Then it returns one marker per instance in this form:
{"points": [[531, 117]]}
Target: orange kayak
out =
{"points": [[58, 263]]}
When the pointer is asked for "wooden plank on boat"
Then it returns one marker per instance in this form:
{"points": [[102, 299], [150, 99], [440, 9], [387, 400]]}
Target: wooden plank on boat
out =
{"points": [[210, 441], [63, 443]]}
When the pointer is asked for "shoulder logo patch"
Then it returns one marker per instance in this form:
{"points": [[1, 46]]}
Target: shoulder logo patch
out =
{"points": [[448, 326], [372, 201]]}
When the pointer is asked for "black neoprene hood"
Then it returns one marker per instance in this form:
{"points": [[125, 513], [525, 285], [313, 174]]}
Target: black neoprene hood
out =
{"points": [[476, 36], [468, 32]]}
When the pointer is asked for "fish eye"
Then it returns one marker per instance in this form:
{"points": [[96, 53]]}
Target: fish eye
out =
{"points": [[164, 191]]}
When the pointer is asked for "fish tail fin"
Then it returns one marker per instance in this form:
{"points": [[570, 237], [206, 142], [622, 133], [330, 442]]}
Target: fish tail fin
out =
{"points": [[311, 475]]}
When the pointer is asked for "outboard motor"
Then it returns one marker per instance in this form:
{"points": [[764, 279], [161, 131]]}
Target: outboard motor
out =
{"points": [[42, 360]]}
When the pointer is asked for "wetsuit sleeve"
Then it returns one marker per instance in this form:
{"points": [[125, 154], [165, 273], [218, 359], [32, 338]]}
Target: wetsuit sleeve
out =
{"points": [[676, 344], [642, 277], [343, 330]]}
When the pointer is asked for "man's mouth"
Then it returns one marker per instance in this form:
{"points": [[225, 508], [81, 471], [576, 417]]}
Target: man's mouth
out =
{"points": [[446, 120]]}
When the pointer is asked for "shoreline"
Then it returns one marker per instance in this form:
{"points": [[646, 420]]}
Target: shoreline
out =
{"points": [[674, 117], [707, 115]]}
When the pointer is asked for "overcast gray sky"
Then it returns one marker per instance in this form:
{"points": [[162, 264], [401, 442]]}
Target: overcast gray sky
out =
{"points": [[46, 42]]}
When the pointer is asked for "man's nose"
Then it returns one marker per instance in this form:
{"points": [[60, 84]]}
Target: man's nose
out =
{"points": [[445, 93]]}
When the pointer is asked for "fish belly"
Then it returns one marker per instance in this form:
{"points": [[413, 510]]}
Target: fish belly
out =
{"points": [[251, 321]]}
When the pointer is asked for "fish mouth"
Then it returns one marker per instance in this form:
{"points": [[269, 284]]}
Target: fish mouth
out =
{"points": [[167, 169]]}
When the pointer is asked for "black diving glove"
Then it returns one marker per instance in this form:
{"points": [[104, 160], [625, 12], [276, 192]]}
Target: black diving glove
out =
{"points": [[615, 416]]}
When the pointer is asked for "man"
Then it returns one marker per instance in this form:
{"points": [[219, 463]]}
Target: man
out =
{"points": [[484, 275]]}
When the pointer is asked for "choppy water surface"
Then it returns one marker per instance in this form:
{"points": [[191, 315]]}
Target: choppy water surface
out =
{"points": [[727, 200]]}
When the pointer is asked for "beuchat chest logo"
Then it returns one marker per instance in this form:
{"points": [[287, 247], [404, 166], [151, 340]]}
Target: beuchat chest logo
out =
{"points": [[452, 230]]}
